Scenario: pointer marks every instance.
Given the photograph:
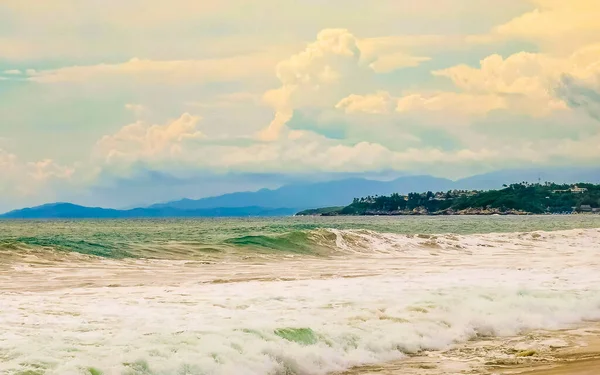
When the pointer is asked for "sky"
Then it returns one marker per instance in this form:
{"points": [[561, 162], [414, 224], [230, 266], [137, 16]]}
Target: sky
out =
{"points": [[120, 103]]}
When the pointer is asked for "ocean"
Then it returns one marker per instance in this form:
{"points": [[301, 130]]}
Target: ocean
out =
{"points": [[301, 295]]}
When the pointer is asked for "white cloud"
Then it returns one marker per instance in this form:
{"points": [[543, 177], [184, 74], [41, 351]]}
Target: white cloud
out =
{"points": [[319, 75], [306, 75], [393, 61], [380, 102], [527, 82], [452, 103], [21, 179], [153, 29], [228, 100], [163, 72], [389, 53], [179, 146], [136, 109], [558, 26], [142, 141], [13, 72]]}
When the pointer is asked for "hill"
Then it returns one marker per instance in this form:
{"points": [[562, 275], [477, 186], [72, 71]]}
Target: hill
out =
{"points": [[307, 195], [295, 197], [72, 211], [341, 192], [520, 198]]}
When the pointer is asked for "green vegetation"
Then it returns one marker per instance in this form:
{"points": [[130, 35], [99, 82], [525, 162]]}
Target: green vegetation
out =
{"points": [[522, 198], [325, 211]]}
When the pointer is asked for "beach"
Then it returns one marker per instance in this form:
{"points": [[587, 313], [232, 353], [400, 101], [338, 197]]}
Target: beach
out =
{"points": [[583, 359], [303, 296], [573, 351]]}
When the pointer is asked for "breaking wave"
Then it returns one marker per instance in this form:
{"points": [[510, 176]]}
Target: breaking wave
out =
{"points": [[318, 242]]}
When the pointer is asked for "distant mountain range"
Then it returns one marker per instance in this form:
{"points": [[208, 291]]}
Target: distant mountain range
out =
{"points": [[73, 211], [289, 199], [331, 193]]}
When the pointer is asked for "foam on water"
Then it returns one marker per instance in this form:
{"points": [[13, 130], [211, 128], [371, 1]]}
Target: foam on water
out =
{"points": [[376, 298]]}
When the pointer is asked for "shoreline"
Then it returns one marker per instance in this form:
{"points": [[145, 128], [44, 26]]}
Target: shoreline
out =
{"points": [[574, 351], [471, 213], [573, 361]]}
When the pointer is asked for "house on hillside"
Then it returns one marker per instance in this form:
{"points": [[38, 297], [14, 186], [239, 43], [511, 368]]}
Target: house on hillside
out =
{"points": [[574, 189], [585, 208], [578, 190], [440, 196]]}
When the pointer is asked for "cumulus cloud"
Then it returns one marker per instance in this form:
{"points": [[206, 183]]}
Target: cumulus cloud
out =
{"points": [[580, 94], [142, 141], [558, 26], [323, 74], [307, 76], [178, 146], [523, 82], [21, 179]]}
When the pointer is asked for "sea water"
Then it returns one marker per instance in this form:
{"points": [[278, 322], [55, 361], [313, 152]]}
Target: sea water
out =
{"points": [[283, 296]]}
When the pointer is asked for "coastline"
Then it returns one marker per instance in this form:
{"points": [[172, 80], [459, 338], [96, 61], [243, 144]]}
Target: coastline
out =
{"points": [[579, 360], [566, 352]]}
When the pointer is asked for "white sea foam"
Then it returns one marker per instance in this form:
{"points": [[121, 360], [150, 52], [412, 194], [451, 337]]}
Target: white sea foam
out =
{"points": [[410, 294]]}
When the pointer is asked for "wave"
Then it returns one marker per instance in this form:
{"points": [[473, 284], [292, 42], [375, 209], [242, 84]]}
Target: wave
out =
{"points": [[292, 328], [336, 242], [327, 242], [350, 297]]}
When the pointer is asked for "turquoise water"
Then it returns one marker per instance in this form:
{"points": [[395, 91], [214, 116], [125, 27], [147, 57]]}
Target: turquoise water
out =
{"points": [[189, 238]]}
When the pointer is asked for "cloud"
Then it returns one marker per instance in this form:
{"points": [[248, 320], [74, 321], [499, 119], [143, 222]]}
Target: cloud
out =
{"points": [[162, 72], [152, 29], [527, 81], [323, 73], [389, 53], [446, 103], [178, 146], [305, 76], [228, 100], [26, 179], [380, 102], [579, 94], [138, 110], [142, 141], [358, 98], [523, 80], [451, 103], [560, 26], [393, 61]]}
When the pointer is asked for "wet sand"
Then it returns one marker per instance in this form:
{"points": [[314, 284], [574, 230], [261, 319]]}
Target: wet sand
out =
{"points": [[582, 360], [568, 352], [584, 367]]}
